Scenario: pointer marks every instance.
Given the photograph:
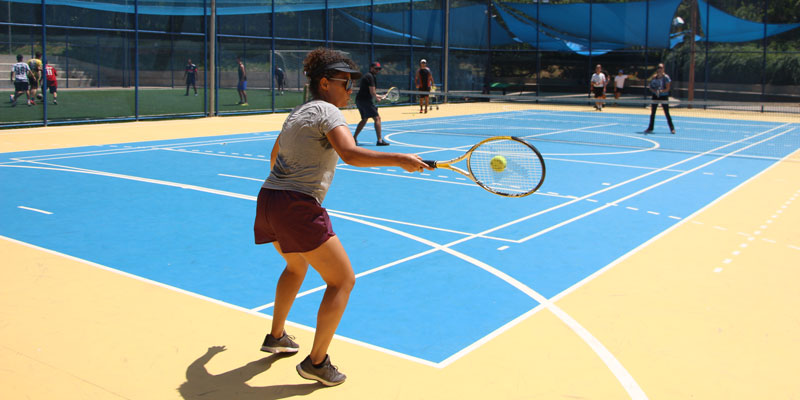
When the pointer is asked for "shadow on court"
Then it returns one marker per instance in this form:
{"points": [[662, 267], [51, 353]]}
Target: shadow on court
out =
{"points": [[200, 384]]}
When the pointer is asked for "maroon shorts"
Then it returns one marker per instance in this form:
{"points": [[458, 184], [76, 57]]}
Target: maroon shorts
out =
{"points": [[294, 219]]}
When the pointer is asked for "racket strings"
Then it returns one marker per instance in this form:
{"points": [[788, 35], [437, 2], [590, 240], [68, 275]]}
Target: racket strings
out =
{"points": [[521, 173], [392, 95]]}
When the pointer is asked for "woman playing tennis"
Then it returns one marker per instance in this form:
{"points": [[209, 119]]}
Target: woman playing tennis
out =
{"points": [[289, 213]]}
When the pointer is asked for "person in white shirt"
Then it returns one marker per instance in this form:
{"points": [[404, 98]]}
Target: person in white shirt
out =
{"points": [[598, 86], [19, 75], [619, 83]]}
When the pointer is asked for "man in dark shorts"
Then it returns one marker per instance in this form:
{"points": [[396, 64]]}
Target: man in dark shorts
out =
{"points": [[368, 109], [190, 74], [20, 72], [424, 81]]}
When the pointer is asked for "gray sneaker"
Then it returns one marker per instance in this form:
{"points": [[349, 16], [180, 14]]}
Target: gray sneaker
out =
{"points": [[283, 345], [327, 374]]}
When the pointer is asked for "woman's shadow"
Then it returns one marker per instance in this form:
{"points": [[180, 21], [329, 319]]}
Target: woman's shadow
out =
{"points": [[200, 384]]}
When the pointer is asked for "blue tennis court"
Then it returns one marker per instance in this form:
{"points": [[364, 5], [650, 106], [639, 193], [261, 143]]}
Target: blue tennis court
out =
{"points": [[433, 253]]}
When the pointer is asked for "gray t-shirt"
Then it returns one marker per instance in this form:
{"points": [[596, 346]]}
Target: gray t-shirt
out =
{"points": [[306, 160]]}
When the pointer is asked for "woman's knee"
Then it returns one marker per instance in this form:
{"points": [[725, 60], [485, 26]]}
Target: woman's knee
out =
{"points": [[344, 282]]}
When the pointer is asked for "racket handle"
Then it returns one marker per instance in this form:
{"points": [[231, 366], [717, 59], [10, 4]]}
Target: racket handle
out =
{"points": [[430, 163]]}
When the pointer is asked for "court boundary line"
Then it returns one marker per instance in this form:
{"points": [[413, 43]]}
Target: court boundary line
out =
{"points": [[129, 149]]}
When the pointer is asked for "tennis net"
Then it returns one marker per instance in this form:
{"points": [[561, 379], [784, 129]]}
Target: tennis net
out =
{"points": [[737, 129]]}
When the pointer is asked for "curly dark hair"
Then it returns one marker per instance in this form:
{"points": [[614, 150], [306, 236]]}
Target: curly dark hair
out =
{"points": [[315, 62]]}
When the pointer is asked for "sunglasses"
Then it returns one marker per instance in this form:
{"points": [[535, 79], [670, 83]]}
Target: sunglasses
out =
{"points": [[347, 86]]}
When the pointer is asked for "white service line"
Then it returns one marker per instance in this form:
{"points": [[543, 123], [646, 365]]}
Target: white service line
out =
{"points": [[241, 177], [213, 154], [35, 209]]}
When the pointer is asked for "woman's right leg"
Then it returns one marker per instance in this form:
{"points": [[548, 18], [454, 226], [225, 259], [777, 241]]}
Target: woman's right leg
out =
{"points": [[288, 285], [653, 109], [332, 263]]}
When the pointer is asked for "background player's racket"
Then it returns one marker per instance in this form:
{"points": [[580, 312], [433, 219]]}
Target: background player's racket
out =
{"points": [[393, 94], [504, 165]]}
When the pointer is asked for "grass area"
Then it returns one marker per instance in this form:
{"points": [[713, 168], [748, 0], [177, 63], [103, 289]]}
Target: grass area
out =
{"points": [[82, 104]]}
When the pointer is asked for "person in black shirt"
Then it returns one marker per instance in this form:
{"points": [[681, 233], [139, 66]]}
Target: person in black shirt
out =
{"points": [[190, 75], [424, 81], [280, 79], [368, 109]]}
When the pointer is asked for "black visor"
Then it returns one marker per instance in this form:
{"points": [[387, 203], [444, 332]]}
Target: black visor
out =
{"points": [[340, 66]]}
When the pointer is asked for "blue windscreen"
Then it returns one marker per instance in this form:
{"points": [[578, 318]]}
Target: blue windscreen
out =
{"points": [[724, 27]]}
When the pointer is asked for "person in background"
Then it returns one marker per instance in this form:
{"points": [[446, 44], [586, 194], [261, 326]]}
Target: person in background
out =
{"points": [[20, 72], [368, 109], [51, 74], [597, 85], [35, 65], [619, 83], [659, 87], [241, 87], [280, 79], [190, 75], [424, 82]]}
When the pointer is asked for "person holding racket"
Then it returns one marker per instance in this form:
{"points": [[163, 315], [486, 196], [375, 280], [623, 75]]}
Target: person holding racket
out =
{"points": [[368, 109], [289, 213], [659, 87]]}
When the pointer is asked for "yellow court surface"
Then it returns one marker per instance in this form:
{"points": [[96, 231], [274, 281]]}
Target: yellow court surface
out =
{"points": [[708, 309]]}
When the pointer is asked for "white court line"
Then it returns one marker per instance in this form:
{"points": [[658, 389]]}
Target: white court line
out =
{"points": [[422, 226], [35, 209], [129, 149], [215, 154], [241, 177]]}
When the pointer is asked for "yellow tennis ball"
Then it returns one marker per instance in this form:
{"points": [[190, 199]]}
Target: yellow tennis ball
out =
{"points": [[498, 163]]}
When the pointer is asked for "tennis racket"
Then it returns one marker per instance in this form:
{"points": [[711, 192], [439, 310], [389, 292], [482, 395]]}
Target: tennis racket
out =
{"points": [[392, 95], [504, 165]]}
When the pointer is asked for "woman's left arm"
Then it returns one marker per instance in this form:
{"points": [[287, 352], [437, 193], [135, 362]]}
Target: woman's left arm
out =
{"points": [[274, 155]]}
